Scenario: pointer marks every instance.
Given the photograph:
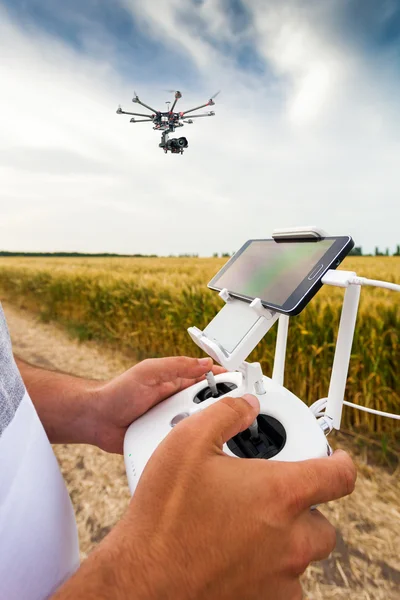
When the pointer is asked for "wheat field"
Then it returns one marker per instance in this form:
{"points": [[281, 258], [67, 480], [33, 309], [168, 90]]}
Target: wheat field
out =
{"points": [[143, 306]]}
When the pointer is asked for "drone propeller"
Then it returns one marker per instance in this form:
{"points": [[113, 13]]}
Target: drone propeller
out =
{"points": [[215, 95], [177, 93]]}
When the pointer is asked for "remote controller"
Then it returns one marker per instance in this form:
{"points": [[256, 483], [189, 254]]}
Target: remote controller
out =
{"points": [[287, 429]]}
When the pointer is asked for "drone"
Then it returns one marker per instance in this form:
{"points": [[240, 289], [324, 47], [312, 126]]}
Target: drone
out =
{"points": [[168, 121]]}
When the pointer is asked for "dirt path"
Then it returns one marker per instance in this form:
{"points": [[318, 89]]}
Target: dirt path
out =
{"points": [[366, 563]]}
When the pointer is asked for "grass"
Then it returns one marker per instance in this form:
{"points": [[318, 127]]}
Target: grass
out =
{"points": [[144, 306]]}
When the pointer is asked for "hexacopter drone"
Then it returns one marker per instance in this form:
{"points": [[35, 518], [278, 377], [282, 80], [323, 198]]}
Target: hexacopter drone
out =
{"points": [[169, 120]]}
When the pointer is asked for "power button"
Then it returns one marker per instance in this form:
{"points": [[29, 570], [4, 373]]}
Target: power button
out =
{"points": [[178, 418], [315, 272]]}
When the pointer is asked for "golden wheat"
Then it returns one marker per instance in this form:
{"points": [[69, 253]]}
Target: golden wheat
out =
{"points": [[144, 305]]}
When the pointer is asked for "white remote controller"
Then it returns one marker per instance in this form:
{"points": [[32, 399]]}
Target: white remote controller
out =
{"points": [[288, 430]]}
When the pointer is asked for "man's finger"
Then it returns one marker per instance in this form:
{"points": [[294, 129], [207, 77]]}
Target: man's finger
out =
{"points": [[161, 370], [318, 534], [312, 538], [320, 480], [225, 418], [216, 369]]}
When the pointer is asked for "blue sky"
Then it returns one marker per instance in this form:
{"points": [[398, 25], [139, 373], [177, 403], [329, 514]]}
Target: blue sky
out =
{"points": [[89, 25], [307, 126]]}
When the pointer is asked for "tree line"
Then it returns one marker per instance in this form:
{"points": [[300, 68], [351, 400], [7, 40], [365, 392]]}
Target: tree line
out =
{"points": [[356, 251]]}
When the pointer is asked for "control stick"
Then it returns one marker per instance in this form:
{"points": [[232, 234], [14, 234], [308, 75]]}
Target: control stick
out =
{"points": [[254, 430], [212, 384]]}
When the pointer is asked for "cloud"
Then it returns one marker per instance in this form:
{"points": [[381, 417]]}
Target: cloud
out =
{"points": [[302, 132]]}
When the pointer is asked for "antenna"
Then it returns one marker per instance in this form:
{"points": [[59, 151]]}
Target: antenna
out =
{"points": [[341, 360], [345, 336]]}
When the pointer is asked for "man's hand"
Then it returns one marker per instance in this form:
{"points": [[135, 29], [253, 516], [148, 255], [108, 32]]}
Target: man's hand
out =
{"points": [[203, 525], [119, 402], [75, 410]]}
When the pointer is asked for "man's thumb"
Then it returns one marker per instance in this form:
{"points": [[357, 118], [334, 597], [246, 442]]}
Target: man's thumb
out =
{"points": [[228, 417]]}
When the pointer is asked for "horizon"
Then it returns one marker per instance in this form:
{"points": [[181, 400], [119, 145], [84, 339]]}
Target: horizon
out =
{"points": [[385, 252]]}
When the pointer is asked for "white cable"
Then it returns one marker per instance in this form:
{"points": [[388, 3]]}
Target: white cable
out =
{"points": [[375, 283], [389, 286], [318, 406], [341, 278], [318, 409], [371, 410]]}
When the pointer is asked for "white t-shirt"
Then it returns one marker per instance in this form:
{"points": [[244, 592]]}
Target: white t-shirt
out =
{"points": [[38, 535]]}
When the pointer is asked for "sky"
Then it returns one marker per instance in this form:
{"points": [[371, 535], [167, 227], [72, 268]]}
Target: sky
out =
{"points": [[306, 131]]}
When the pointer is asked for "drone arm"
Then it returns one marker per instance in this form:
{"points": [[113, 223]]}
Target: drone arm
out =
{"points": [[124, 112], [174, 104], [210, 114], [141, 120], [196, 108], [136, 99]]}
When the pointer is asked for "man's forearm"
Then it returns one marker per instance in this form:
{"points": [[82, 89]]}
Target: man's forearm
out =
{"points": [[119, 568], [65, 404]]}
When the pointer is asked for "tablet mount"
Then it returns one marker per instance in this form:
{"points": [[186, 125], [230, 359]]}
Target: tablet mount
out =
{"points": [[239, 326], [286, 428]]}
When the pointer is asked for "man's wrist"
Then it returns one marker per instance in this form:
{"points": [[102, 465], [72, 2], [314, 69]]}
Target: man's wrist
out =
{"points": [[66, 405], [88, 422], [101, 418], [120, 567]]}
